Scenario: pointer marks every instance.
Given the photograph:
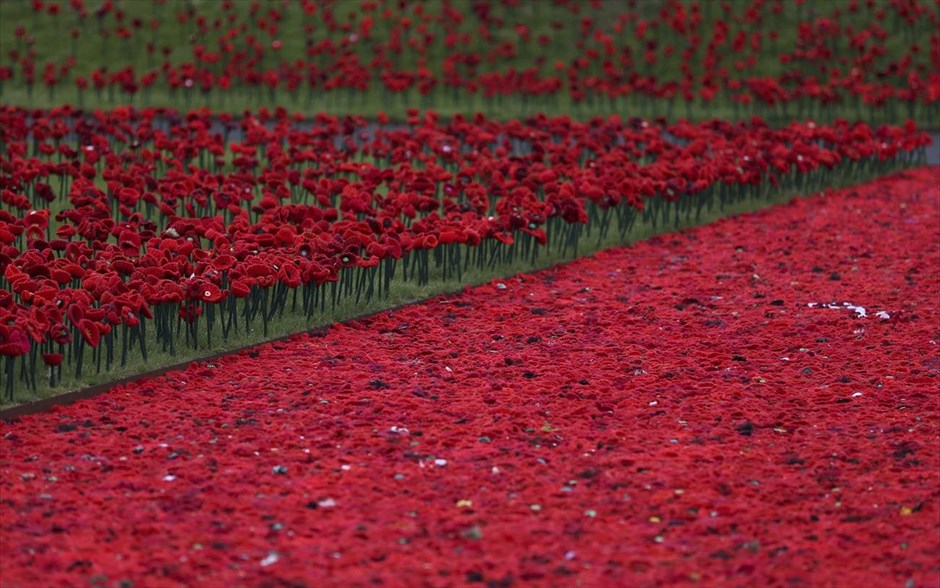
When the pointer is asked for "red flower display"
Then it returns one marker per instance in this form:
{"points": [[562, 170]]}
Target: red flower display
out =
{"points": [[751, 402], [158, 226], [874, 59]]}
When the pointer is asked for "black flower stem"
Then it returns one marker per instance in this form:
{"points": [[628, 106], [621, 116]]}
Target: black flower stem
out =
{"points": [[9, 372], [210, 321], [97, 354], [123, 345], [142, 335], [79, 351]]}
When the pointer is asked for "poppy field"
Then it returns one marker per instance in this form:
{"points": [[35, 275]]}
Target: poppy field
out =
{"points": [[469, 293], [167, 234], [539, 430], [874, 60]]}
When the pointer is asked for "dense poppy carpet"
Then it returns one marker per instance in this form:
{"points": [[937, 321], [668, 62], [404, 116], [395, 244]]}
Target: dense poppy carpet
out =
{"points": [[752, 402]]}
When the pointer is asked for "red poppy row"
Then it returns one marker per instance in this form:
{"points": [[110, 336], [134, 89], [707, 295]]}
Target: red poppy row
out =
{"points": [[859, 52], [202, 225]]}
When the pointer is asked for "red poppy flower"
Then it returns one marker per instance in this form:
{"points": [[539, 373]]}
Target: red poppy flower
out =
{"points": [[290, 275], [61, 334], [209, 292], [52, 359], [223, 262], [367, 262], [90, 332], [13, 341], [240, 289]]}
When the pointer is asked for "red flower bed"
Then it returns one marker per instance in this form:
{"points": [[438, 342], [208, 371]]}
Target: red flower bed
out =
{"points": [[751, 402], [776, 56], [167, 226]]}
